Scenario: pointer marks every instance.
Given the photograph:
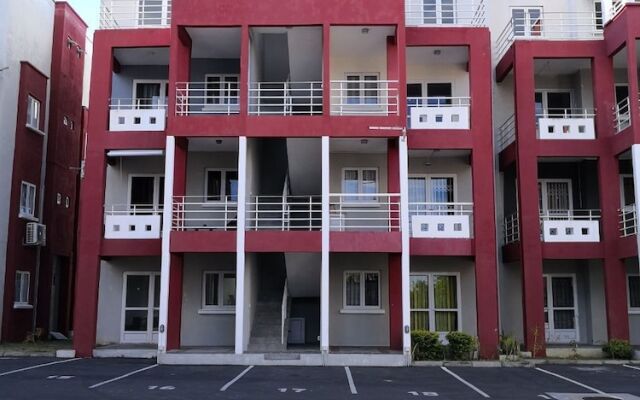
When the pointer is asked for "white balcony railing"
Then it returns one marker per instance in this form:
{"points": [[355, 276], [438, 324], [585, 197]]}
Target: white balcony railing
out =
{"points": [[561, 226], [365, 212], [550, 26], [285, 98], [137, 115], [132, 222], [506, 133], [207, 98], [628, 221], [446, 12], [622, 115], [618, 5], [284, 213], [441, 220], [567, 124], [365, 97], [191, 213], [128, 14], [439, 112], [511, 229]]}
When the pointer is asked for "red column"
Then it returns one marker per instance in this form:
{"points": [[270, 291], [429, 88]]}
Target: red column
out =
{"points": [[632, 70], [174, 318], [393, 180], [393, 69], [527, 174], [483, 198], [326, 72], [179, 70], [244, 70]]}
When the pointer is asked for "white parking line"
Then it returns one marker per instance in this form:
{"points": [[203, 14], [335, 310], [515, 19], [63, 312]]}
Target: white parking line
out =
{"points": [[352, 385], [123, 376], [236, 379], [15, 371], [572, 381], [480, 392], [631, 366]]}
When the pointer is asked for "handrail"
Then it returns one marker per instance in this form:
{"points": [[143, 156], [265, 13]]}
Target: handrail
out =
{"points": [[460, 13], [284, 213], [567, 113], [205, 98], [628, 220], [285, 98], [550, 26], [438, 102], [138, 103], [571, 215], [375, 211], [194, 213], [285, 309], [133, 209], [512, 228], [127, 14], [618, 5], [379, 97], [622, 114], [506, 133], [433, 208]]}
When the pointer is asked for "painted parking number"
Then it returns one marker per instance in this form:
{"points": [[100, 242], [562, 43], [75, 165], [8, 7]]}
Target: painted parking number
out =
{"points": [[162, 388], [294, 390], [425, 394]]}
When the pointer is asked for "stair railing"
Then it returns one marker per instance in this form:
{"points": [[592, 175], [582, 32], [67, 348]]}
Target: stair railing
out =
{"points": [[285, 310]]}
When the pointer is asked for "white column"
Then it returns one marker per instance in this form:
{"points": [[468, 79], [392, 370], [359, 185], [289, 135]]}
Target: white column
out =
{"points": [[240, 254], [169, 162], [635, 158], [326, 227], [406, 256]]}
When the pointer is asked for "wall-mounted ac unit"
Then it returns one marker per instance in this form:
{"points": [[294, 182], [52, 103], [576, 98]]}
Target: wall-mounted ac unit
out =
{"points": [[36, 234]]}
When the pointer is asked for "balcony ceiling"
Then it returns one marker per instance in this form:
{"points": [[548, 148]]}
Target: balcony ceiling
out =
{"points": [[227, 145], [368, 146], [215, 42], [142, 56], [437, 55], [620, 58], [350, 41], [568, 66]]}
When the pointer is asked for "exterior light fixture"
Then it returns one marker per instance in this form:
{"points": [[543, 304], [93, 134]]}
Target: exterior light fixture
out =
{"points": [[365, 31], [364, 141]]}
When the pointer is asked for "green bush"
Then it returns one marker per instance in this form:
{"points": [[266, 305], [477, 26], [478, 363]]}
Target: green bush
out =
{"points": [[618, 349], [426, 346], [509, 345], [461, 346]]}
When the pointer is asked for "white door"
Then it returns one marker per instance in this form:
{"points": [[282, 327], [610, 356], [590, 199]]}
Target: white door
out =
{"points": [[560, 309], [296, 331], [555, 197], [141, 307]]}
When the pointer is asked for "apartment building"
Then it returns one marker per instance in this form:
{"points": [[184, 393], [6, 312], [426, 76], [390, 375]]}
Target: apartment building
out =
{"points": [[307, 182], [41, 119]]}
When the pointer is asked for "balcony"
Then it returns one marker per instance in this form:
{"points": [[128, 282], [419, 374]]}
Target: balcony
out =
{"points": [[533, 24], [132, 222], [131, 115], [285, 98], [371, 212], [191, 213], [628, 221], [197, 98], [566, 124], [446, 13], [441, 220], [365, 97], [562, 226], [439, 112], [284, 213], [133, 14], [618, 5]]}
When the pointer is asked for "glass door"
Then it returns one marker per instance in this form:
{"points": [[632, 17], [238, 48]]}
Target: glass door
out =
{"points": [[527, 21], [141, 308], [560, 308], [555, 197]]}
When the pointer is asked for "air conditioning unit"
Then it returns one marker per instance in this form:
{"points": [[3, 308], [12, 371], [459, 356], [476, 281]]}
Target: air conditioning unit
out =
{"points": [[36, 234]]}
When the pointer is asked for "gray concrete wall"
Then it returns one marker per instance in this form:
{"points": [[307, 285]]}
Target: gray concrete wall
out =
{"points": [[467, 284], [357, 329], [118, 175], [458, 166], [584, 180], [350, 160], [250, 295], [634, 319], [109, 324], [122, 82], [511, 300], [200, 329]]}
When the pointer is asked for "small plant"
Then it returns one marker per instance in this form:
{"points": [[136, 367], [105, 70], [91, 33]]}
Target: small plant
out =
{"points": [[509, 346], [536, 344], [574, 349], [426, 346], [618, 349], [461, 345]]}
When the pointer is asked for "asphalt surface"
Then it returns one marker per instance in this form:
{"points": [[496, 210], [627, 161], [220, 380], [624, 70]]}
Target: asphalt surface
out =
{"points": [[44, 379]]}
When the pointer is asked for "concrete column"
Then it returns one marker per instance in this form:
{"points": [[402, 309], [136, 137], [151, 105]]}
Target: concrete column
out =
{"points": [[240, 248], [635, 158], [406, 255], [326, 227]]}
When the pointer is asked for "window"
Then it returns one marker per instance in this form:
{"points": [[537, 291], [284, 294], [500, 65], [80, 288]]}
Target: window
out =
{"points": [[527, 21], [21, 294], [362, 89], [222, 89], [634, 294], [146, 192], [361, 290], [363, 181], [431, 193], [438, 11], [27, 200], [220, 185], [555, 196], [599, 15], [218, 290], [434, 302], [33, 113], [150, 94]]}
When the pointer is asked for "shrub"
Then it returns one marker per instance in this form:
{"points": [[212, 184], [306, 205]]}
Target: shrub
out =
{"points": [[509, 345], [618, 349], [461, 346], [426, 346]]}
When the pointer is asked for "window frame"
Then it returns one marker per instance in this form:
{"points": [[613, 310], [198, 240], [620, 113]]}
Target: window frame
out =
{"points": [[158, 201], [223, 184], [31, 101], [527, 23], [224, 96], [632, 310], [220, 308], [162, 99], [366, 198], [544, 195], [362, 89], [28, 215], [432, 310], [361, 308], [20, 302]]}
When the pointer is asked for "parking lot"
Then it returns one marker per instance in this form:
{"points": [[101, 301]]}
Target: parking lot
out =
{"points": [[41, 378]]}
